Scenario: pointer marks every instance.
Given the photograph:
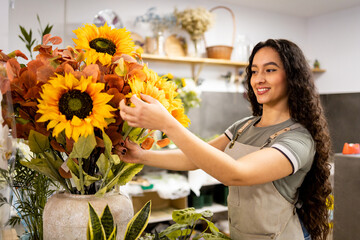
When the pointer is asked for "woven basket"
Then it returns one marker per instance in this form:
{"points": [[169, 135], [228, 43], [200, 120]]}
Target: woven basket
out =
{"points": [[222, 51]]}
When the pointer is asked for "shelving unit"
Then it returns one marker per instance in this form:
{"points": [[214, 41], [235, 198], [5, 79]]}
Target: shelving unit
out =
{"points": [[196, 61]]}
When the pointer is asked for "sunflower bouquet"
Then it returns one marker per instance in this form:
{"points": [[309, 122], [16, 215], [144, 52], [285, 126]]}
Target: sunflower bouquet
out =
{"points": [[65, 103]]}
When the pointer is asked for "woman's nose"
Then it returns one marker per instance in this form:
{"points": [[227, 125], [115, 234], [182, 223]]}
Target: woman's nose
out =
{"points": [[259, 77]]}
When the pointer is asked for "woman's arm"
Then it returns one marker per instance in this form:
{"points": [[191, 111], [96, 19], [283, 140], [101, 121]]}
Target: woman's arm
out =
{"points": [[167, 159], [259, 167]]}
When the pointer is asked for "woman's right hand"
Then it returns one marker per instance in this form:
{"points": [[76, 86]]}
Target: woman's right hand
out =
{"points": [[130, 152]]}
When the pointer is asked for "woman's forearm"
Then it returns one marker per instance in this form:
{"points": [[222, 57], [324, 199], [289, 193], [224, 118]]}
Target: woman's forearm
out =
{"points": [[168, 159], [212, 160]]}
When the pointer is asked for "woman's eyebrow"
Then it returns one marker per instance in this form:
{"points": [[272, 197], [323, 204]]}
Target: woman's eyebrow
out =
{"points": [[267, 64], [271, 63]]}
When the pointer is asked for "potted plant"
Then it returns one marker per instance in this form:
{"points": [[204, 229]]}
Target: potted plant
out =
{"points": [[64, 104]]}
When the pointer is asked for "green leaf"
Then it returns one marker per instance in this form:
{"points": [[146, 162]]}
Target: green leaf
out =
{"points": [[40, 166], [207, 213], [22, 39], [108, 146], [138, 223], [103, 164], [47, 29], [186, 216], [209, 236], [24, 33], [122, 177], [116, 159], [211, 225], [75, 171], [83, 147], [38, 142], [174, 231], [120, 70], [107, 221], [61, 138], [113, 234], [128, 172], [101, 192], [95, 229], [133, 135], [76, 180]]}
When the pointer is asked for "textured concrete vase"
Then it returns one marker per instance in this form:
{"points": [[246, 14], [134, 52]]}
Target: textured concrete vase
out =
{"points": [[66, 215]]}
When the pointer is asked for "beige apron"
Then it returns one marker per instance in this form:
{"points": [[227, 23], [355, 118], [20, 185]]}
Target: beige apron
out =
{"points": [[260, 212]]}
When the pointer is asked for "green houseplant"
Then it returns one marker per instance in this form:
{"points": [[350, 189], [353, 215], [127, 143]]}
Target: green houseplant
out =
{"points": [[103, 227]]}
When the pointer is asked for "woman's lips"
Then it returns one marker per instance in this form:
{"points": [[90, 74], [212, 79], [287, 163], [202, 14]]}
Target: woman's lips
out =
{"points": [[261, 91]]}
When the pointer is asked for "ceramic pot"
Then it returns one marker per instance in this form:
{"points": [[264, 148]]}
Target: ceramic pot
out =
{"points": [[66, 215]]}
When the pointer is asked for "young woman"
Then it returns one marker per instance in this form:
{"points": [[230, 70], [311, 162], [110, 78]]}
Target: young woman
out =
{"points": [[274, 162]]}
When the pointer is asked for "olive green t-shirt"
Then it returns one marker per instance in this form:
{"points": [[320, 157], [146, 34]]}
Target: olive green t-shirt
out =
{"points": [[297, 145]]}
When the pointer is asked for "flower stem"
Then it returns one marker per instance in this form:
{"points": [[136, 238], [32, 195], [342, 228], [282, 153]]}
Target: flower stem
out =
{"points": [[81, 176], [141, 133], [127, 132], [106, 174]]}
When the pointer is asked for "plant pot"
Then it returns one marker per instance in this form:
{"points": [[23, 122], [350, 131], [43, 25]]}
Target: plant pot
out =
{"points": [[66, 215]]}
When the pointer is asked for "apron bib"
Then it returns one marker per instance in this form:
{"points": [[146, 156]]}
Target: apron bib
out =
{"points": [[259, 212]]}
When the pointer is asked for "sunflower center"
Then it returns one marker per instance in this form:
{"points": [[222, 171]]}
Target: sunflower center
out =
{"points": [[75, 102], [103, 45]]}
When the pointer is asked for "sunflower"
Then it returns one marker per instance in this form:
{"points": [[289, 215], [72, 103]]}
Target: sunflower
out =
{"points": [[179, 114], [74, 105], [138, 86], [102, 43]]}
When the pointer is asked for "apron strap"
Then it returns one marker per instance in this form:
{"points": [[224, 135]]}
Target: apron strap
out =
{"points": [[272, 137], [243, 127]]}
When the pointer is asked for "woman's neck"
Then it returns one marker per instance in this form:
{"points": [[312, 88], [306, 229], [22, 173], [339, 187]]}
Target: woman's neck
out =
{"points": [[273, 116]]}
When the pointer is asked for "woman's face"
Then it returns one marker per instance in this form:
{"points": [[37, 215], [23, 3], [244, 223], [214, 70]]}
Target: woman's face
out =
{"points": [[268, 78]]}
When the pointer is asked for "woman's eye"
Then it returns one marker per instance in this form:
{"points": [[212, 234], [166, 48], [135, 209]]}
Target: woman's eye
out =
{"points": [[253, 72], [270, 70]]}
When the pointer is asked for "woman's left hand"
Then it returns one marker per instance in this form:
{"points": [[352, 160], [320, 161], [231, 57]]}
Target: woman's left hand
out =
{"points": [[150, 113]]}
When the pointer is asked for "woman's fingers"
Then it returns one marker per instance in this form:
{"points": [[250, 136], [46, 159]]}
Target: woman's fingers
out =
{"points": [[147, 98]]}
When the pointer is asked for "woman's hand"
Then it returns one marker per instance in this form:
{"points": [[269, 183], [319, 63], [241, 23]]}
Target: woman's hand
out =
{"points": [[129, 152], [150, 113]]}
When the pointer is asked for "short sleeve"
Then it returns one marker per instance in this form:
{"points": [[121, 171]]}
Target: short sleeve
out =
{"points": [[298, 147], [231, 131]]}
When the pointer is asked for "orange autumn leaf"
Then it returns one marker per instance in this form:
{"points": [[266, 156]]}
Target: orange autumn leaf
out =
{"points": [[147, 144], [163, 142], [64, 174], [56, 146], [12, 69], [18, 53]]}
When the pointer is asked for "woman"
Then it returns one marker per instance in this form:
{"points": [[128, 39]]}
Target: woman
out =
{"points": [[274, 162]]}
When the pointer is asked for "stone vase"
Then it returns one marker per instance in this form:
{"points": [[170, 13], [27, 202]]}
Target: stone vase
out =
{"points": [[66, 215]]}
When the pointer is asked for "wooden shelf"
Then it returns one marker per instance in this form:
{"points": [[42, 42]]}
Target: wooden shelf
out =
{"points": [[193, 60], [200, 62], [318, 70]]}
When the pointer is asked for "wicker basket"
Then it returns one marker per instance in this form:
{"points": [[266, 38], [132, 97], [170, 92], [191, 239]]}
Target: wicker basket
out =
{"points": [[221, 51]]}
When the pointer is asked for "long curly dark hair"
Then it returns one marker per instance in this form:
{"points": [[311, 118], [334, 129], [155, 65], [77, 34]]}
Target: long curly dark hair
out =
{"points": [[305, 108]]}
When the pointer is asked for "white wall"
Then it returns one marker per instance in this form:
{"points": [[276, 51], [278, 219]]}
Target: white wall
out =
{"points": [[4, 25], [24, 14], [67, 15], [335, 40]]}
